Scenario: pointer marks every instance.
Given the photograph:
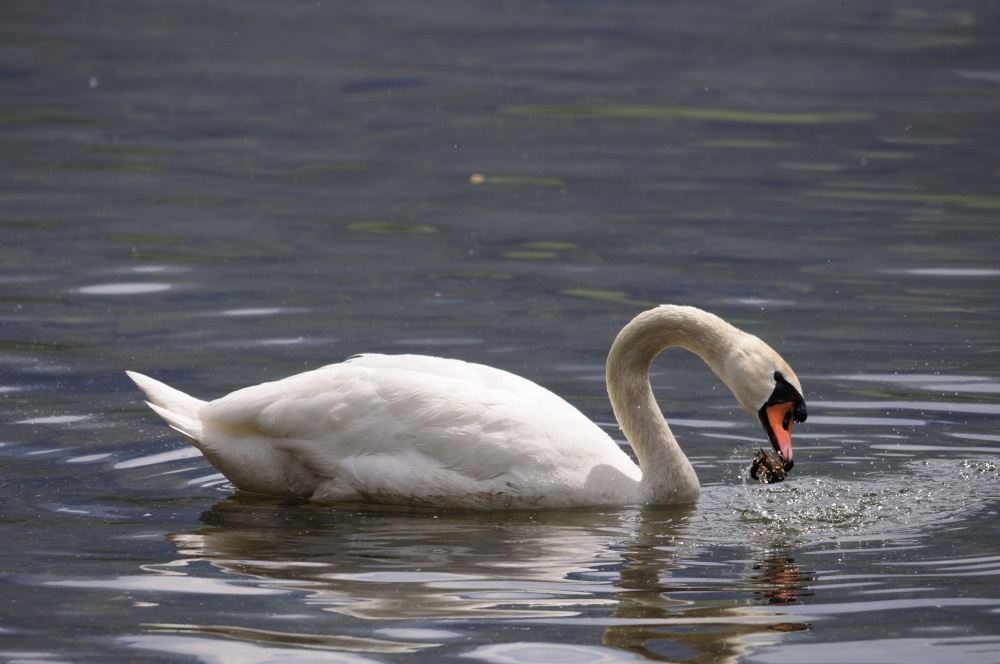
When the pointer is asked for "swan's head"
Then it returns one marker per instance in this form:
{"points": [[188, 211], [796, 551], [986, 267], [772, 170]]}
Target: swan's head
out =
{"points": [[768, 389]]}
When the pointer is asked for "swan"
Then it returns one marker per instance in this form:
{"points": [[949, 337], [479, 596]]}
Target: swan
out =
{"points": [[418, 430]]}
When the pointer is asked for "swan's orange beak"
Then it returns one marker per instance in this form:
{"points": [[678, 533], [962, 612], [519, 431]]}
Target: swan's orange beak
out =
{"points": [[780, 418]]}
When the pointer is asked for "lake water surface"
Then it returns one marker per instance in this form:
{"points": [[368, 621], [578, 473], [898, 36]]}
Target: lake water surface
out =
{"points": [[222, 194]]}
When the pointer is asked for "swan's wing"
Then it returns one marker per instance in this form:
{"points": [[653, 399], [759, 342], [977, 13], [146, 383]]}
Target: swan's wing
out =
{"points": [[354, 389], [406, 430], [470, 372]]}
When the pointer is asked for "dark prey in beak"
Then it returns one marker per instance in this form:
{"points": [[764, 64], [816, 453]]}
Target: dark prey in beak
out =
{"points": [[784, 407], [766, 468]]}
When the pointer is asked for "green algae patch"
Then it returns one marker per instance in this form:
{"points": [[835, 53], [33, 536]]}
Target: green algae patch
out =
{"points": [[982, 202], [13, 520], [150, 501], [29, 224], [127, 150], [522, 181], [30, 300], [335, 166], [40, 346], [595, 294], [607, 296], [187, 201], [744, 144], [144, 239], [540, 250], [27, 118], [686, 113], [103, 166], [530, 255], [472, 275], [549, 245], [384, 227], [818, 167]]}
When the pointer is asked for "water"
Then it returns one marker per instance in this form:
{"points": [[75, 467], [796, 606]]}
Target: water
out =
{"points": [[227, 194]]}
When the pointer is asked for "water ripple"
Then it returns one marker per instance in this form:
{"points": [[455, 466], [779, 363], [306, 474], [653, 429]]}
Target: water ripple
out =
{"points": [[125, 289], [220, 651], [968, 650], [549, 653]]}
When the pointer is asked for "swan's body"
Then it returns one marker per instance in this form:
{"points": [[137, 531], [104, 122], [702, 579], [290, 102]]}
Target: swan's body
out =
{"points": [[411, 429]]}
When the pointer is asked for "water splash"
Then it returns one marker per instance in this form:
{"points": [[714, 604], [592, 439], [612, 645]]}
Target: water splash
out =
{"points": [[808, 511]]}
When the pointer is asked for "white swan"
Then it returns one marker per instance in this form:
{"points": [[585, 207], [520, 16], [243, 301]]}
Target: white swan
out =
{"points": [[411, 429]]}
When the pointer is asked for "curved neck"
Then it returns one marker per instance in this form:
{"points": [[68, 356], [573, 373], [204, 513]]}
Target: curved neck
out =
{"points": [[667, 475]]}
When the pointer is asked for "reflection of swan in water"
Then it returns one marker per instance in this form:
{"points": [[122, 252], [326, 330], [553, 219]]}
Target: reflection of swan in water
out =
{"points": [[421, 430], [662, 624], [635, 568], [391, 564], [378, 563]]}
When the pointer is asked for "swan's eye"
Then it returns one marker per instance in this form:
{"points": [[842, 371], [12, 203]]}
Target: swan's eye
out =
{"points": [[778, 377], [787, 422]]}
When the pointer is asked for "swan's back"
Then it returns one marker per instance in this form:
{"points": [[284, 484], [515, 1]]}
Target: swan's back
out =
{"points": [[418, 430]]}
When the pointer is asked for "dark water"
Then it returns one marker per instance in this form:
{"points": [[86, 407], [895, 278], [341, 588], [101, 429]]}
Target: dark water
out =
{"points": [[223, 194]]}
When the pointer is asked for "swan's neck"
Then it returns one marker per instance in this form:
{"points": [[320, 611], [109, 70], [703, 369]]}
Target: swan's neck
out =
{"points": [[667, 475]]}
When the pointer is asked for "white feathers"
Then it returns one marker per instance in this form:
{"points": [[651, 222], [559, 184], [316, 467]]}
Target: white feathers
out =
{"points": [[178, 409], [167, 397]]}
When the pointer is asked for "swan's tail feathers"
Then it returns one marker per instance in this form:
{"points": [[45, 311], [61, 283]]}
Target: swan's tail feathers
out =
{"points": [[187, 427], [178, 409]]}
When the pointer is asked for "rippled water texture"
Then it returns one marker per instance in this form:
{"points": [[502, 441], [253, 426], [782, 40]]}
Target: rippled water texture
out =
{"points": [[223, 194]]}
